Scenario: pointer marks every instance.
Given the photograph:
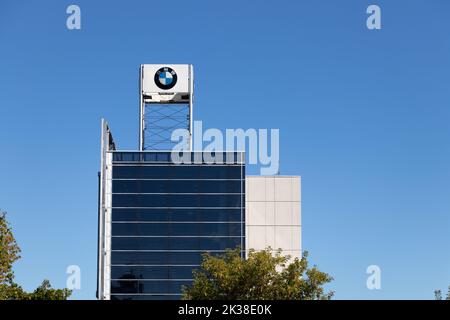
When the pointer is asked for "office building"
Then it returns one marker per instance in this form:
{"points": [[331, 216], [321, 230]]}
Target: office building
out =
{"points": [[158, 216]]}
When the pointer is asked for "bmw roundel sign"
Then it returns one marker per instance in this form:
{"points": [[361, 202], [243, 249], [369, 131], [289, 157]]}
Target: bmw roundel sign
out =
{"points": [[165, 78]]}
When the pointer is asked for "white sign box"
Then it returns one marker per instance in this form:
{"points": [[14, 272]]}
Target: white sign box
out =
{"points": [[166, 82]]}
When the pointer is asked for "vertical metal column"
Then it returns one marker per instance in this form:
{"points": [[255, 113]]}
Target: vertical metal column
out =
{"points": [[141, 111]]}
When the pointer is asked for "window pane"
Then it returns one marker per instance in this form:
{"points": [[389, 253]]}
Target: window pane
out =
{"points": [[205, 215], [176, 229], [177, 172], [196, 157], [158, 258], [143, 286], [151, 272], [151, 157], [166, 243], [177, 186], [173, 200]]}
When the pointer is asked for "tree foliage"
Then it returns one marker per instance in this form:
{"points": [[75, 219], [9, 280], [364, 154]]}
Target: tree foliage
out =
{"points": [[11, 291], [9, 253], [46, 292], [262, 276], [438, 294]]}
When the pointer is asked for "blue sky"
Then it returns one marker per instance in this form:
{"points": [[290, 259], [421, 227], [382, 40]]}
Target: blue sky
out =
{"points": [[364, 118]]}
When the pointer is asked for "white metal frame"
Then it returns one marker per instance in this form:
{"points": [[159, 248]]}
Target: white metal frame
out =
{"points": [[104, 239]]}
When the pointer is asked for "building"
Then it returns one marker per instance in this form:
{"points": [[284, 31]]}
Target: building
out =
{"points": [[158, 216], [273, 213]]}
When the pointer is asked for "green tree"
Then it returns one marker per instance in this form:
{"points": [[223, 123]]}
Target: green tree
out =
{"points": [[12, 291], [9, 253], [46, 292], [438, 294], [262, 276]]}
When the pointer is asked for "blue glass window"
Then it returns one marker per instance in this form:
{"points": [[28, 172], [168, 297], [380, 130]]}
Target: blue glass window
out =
{"points": [[165, 217], [176, 229], [167, 243], [193, 215], [151, 272], [157, 258], [177, 172], [145, 286], [176, 200], [177, 186]]}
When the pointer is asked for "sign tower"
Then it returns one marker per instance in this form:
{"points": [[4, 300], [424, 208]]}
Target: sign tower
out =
{"points": [[166, 104]]}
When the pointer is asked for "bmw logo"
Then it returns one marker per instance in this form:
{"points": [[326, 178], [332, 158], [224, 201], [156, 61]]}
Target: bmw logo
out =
{"points": [[165, 78]]}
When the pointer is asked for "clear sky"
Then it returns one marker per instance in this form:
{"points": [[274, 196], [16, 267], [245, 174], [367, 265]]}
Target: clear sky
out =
{"points": [[364, 118]]}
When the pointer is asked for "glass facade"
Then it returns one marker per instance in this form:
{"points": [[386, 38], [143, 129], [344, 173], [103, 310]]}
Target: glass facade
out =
{"points": [[164, 216]]}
